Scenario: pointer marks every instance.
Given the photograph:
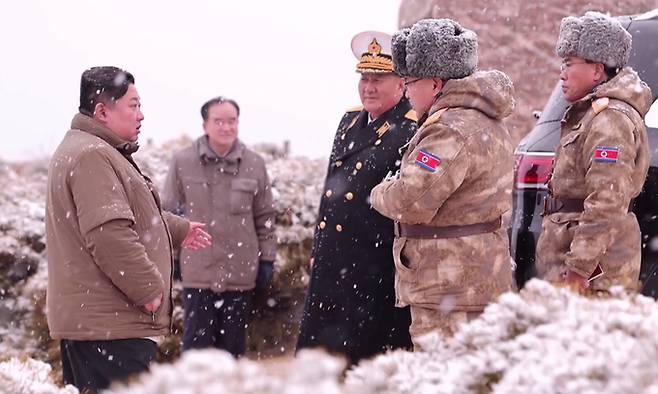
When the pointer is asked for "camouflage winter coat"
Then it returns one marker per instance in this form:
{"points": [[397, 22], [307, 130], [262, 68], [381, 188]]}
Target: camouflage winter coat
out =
{"points": [[467, 181], [602, 158]]}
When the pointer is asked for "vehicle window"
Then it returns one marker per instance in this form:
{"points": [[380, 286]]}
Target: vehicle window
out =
{"points": [[651, 118], [647, 15], [555, 106]]}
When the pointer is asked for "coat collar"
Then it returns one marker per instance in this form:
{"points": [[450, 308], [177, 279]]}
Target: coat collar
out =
{"points": [[89, 125], [207, 154], [360, 135], [228, 163]]}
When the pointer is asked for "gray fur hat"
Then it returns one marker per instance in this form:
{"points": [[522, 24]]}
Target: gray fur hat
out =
{"points": [[595, 37], [435, 48]]}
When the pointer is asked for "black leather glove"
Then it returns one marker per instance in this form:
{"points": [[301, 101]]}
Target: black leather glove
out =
{"points": [[265, 274]]}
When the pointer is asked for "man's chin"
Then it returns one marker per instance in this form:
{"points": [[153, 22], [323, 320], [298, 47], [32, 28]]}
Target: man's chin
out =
{"points": [[370, 107], [571, 97]]}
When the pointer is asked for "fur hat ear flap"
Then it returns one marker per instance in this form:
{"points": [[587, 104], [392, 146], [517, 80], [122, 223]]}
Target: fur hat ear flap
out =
{"points": [[399, 51], [435, 48], [595, 37]]}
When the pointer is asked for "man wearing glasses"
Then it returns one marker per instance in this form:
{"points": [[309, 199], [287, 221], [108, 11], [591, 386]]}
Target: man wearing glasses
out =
{"points": [[451, 253], [590, 238], [222, 181], [350, 304]]}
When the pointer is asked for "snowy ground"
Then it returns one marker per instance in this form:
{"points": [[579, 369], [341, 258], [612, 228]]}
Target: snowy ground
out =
{"points": [[296, 182], [544, 340]]}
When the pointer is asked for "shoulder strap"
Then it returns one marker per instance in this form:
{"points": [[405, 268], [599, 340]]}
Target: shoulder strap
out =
{"points": [[435, 117]]}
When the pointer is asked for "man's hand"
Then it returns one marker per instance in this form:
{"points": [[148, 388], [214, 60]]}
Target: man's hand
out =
{"points": [[576, 282], [265, 273], [197, 237], [154, 304]]}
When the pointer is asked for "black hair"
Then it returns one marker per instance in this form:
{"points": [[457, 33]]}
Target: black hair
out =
{"points": [[611, 72], [105, 85], [217, 100]]}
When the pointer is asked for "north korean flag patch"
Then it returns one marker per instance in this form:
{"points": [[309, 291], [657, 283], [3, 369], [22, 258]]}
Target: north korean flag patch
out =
{"points": [[427, 161], [606, 154]]}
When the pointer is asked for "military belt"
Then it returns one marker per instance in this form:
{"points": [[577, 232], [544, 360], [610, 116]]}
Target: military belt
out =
{"points": [[568, 205], [420, 231]]}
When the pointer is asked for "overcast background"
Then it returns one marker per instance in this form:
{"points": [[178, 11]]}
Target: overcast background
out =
{"points": [[287, 63]]}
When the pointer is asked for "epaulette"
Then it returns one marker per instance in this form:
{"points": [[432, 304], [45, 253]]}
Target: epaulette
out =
{"points": [[434, 118], [355, 109], [411, 115], [600, 104]]}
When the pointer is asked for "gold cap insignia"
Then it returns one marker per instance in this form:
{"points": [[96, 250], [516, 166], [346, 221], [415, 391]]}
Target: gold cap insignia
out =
{"points": [[373, 49]]}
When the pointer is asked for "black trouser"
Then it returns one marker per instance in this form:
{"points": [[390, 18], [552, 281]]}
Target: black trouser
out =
{"points": [[93, 365], [216, 319]]}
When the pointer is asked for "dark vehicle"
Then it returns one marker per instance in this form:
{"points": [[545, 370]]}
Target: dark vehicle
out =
{"points": [[534, 158]]}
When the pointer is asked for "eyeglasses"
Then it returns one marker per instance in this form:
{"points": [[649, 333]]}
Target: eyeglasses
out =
{"points": [[407, 83], [222, 122], [567, 64]]}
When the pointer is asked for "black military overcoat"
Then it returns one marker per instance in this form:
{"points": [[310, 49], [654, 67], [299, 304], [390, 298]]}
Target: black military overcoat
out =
{"points": [[350, 303]]}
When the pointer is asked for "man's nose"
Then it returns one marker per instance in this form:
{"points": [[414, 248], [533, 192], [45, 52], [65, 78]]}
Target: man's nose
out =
{"points": [[563, 74]]}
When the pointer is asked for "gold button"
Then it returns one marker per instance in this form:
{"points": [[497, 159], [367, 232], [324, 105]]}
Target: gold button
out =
{"points": [[338, 163], [339, 228], [328, 193], [359, 165], [323, 224], [378, 142], [349, 195]]}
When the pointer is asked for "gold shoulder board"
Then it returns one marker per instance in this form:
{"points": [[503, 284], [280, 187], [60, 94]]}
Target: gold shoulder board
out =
{"points": [[600, 104], [411, 115], [355, 109]]}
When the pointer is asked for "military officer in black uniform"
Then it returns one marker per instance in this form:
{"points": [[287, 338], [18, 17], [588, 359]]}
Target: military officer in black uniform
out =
{"points": [[350, 303]]}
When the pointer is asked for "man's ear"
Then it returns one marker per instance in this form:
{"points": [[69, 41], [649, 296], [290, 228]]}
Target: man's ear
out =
{"points": [[599, 72], [100, 112], [438, 86], [401, 84]]}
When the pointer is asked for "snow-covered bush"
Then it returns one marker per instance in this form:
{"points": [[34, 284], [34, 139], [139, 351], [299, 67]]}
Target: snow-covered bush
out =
{"points": [[296, 185], [213, 371], [28, 376], [545, 340]]}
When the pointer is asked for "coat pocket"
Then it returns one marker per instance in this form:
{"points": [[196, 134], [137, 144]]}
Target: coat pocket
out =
{"points": [[404, 270], [570, 138], [554, 244], [242, 195]]}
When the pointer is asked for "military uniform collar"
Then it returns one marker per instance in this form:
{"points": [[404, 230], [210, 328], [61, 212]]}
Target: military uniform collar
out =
{"points": [[578, 108], [369, 121], [358, 134], [93, 127], [434, 108]]}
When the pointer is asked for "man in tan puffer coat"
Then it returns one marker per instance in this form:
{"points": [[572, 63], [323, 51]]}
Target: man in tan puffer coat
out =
{"points": [[451, 254], [601, 161]]}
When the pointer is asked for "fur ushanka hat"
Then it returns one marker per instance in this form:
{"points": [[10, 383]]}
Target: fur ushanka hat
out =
{"points": [[595, 37], [435, 48]]}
